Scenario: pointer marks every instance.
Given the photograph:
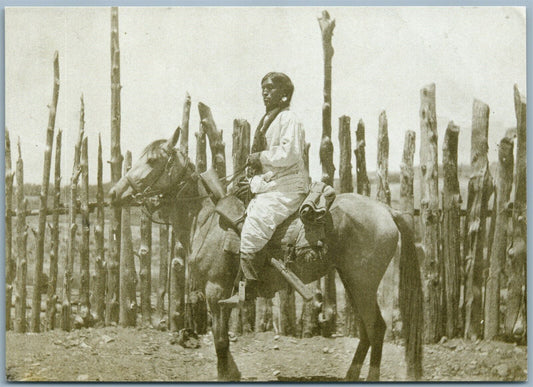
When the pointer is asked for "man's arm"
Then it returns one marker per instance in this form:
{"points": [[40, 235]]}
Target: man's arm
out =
{"points": [[288, 151]]}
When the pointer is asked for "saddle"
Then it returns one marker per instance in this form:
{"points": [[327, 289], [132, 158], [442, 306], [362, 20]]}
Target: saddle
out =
{"points": [[300, 241]]}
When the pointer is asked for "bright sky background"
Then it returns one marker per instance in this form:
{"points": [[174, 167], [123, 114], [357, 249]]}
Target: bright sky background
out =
{"points": [[383, 57]]}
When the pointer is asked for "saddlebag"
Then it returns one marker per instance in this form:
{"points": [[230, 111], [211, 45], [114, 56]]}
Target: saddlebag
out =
{"points": [[317, 203]]}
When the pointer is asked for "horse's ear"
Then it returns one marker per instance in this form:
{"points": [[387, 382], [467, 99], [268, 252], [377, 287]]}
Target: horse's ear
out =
{"points": [[172, 141]]}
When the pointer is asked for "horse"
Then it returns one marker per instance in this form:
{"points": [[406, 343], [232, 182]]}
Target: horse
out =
{"points": [[362, 241]]}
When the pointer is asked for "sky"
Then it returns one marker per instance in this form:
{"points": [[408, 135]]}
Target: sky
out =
{"points": [[383, 57]]}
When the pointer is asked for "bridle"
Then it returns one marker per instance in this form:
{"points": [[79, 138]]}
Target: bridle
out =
{"points": [[143, 196]]}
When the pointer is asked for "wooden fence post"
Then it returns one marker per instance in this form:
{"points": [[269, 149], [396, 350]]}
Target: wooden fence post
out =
{"points": [[66, 309], [113, 283], [100, 263], [184, 136], [10, 264], [54, 248], [479, 191], [163, 272], [20, 323], [84, 305], [201, 157], [383, 194], [177, 287], [216, 143], [39, 254], [145, 271], [451, 234], [363, 185], [329, 313], [346, 185], [500, 217], [515, 323], [429, 214], [242, 318], [128, 277]]}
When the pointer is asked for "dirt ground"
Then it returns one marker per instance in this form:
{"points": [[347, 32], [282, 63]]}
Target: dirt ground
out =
{"points": [[142, 354]]}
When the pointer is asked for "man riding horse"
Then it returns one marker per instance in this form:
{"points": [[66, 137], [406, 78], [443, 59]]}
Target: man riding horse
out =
{"points": [[279, 178]]}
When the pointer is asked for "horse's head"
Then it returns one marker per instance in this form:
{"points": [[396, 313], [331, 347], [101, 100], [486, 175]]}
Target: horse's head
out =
{"points": [[159, 171]]}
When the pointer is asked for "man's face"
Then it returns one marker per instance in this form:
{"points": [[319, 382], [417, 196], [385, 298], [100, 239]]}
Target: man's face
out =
{"points": [[272, 94]]}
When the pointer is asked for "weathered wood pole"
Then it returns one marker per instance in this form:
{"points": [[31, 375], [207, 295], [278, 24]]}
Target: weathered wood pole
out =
{"points": [[386, 293], [52, 297], [500, 216], [216, 143], [128, 277], [112, 296], [479, 189], [451, 234], [177, 288], [10, 265], [145, 270], [85, 305], [20, 323], [201, 144], [163, 271], [345, 162], [43, 205], [100, 263], [242, 318], [429, 214], [184, 137], [363, 184], [329, 312], [407, 175], [383, 194], [73, 227], [346, 185], [515, 323], [263, 314]]}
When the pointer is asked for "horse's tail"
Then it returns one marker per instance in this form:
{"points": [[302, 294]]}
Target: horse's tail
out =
{"points": [[410, 295]]}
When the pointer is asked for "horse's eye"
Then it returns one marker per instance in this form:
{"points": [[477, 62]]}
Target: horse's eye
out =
{"points": [[151, 160]]}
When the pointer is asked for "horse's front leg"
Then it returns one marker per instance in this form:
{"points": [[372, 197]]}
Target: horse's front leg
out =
{"points": [[226, 367]]}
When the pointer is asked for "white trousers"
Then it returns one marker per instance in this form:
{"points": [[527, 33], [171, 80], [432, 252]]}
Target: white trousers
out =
{"points": [[265, 212]]}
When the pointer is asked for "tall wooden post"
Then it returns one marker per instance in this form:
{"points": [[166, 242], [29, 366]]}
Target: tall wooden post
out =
{"points": [[128, 277], [100, 264], [20, 323], [43, 206], [429, 214], [10, 266], [242, 318], [329, 313], [112, 297], [54, 248], [515, 323], [451, 234], [383, 194], [184, 137], [177, 287], [145, 271], [363, 185], [479, 190], [407, 203], [346, 185], [216, 143], [73, 227], [85, 306], [201, 157], [163, 272], [500, 216]]}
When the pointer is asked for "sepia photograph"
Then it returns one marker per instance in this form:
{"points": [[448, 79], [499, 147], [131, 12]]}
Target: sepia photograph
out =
{"points": [[265, 194]]}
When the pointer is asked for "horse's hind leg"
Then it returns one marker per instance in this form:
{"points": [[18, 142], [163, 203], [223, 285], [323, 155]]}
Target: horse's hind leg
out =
{"points": [[226, 367], [377, 346], [360, 353]]}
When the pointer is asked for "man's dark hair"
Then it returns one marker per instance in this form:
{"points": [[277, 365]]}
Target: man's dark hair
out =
{"points": [[283, 81]]}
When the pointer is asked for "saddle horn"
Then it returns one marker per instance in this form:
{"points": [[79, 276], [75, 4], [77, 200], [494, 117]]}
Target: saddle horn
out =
{"points": [[172, 141]]}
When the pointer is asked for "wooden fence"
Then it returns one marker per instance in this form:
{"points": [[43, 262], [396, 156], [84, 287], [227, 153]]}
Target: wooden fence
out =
{"points": [[473, 256]]}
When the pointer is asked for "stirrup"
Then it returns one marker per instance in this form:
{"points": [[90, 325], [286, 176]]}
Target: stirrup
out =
{"points": [[237, 299]]}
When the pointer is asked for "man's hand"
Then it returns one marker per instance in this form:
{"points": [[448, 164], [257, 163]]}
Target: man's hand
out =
{"points": [[254, 162], [242, 190]]}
